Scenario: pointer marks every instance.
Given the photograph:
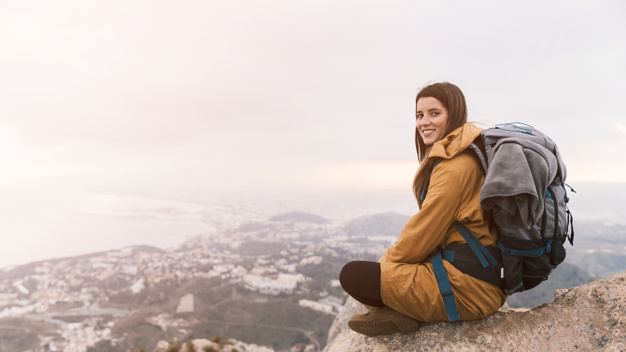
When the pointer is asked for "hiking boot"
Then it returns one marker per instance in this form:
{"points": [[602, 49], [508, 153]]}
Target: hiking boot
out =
{"points": [[382, 321]]}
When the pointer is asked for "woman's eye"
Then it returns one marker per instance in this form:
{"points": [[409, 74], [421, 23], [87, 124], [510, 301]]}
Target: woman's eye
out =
{"points": [[435, 113], [419, 116]]}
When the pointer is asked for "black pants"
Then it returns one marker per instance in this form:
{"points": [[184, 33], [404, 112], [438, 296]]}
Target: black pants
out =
{"points": [[361, 280]]}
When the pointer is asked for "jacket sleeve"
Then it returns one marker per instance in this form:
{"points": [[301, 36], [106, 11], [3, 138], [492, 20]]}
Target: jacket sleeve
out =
{"points": [[427, 230]]}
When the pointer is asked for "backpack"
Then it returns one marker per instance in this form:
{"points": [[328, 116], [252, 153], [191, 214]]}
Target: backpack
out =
{"points": [[525, 192]]}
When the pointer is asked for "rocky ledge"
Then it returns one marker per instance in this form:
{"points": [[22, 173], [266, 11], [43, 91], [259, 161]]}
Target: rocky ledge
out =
{"points": [[590, 317]]}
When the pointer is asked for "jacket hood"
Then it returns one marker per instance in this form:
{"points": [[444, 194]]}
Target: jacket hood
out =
{"points": [[455, 142]]}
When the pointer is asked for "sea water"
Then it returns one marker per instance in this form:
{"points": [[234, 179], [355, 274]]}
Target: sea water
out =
{"points": [[41, 227]]}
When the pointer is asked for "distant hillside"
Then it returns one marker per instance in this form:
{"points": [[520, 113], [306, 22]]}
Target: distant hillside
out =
{"points": [[599, 249], [385, 224], [252, 226], [299, 216], [600, 263], [564, 276], [260, 248], [28, 269]]}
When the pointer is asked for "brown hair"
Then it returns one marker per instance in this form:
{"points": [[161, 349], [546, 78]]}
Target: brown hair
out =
{"points": [[453, 100]]}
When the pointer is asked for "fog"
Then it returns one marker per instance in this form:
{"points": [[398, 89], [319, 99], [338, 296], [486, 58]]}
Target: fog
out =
{"points": [[200, 99]]}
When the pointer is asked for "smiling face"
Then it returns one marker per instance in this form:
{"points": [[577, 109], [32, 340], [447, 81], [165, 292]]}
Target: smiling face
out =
{"points": [[431, 118]]}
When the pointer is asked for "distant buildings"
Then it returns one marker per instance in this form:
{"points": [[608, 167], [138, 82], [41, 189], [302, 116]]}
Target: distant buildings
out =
{"points": [[317, 306], [286, 283], [85, 286]]}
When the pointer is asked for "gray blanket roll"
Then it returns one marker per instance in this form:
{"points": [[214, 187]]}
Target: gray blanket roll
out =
{"points": [[525, 169]]}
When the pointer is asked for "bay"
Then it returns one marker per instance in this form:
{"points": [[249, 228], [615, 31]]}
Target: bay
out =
{"points": [[48, 227]]}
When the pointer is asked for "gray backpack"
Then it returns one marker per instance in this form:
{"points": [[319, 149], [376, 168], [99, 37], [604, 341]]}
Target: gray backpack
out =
{"points": [[525, 191]]}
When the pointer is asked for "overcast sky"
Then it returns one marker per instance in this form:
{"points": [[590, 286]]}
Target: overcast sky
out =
{"points": [[238, 94], [151, 96]]}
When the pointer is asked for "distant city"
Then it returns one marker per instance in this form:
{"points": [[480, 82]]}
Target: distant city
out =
{"points": [[81, 299], [281, 270]]}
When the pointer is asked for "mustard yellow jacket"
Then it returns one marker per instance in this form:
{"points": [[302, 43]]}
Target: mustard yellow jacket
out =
{"points": [[408, 283]]}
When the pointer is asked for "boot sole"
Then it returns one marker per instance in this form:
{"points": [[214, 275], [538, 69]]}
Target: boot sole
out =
{"points": [[371, 328]]}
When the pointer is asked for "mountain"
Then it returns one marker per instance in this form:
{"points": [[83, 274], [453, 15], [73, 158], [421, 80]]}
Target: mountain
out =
{"points": [[299, 216], [599, 249], [385, 224]]}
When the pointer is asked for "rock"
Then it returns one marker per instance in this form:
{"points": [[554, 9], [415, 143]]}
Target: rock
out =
{"points": [[161, 346], [202, 345], [199, 345], [590, 317], [340, 324]]}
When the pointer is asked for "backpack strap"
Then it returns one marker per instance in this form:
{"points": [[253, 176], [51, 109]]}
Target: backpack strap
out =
{"points": [[480, 155], [461, 256], [444, 287], [482, 253], [569, 219], [488, 273], [425, 190]]}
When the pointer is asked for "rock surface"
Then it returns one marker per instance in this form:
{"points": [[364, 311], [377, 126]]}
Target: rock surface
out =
{"points": [[590, 317], [200, 345]]}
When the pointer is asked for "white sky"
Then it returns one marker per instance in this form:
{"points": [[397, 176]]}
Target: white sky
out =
{"points": [[163, 94], [144, 96]]}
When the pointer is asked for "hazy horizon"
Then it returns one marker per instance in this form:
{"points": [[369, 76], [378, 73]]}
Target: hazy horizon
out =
{"points": [[244, 98]]}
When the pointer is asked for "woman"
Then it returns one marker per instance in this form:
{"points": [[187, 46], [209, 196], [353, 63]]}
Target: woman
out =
{"points": [[401, 289]]}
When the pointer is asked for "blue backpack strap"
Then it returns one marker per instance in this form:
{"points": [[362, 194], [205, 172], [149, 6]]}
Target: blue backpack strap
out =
{"points": [[444, 287], [425, 190], [448, 255], [534, 253], [485, 258], [482, 253]]}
